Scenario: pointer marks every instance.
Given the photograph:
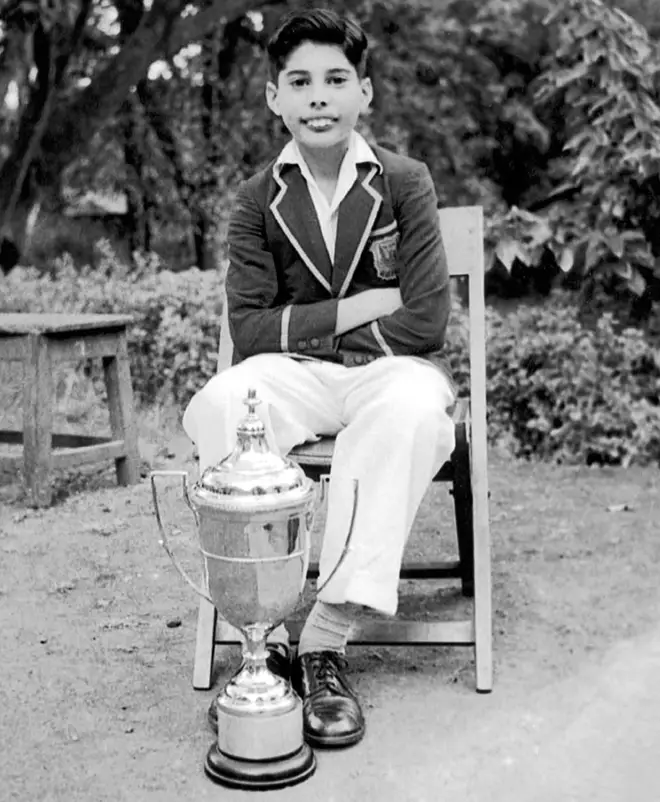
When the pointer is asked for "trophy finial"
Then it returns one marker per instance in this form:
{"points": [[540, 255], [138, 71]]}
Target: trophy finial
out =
{"points": [[251, 430], [252, 402]]}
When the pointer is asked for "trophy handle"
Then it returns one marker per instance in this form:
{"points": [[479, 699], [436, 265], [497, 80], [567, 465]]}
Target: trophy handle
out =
{"points": [[347, 544], [163, 535]]}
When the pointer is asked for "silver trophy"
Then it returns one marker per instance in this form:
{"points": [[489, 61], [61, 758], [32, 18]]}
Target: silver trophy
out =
{"points": [[254, 512]]}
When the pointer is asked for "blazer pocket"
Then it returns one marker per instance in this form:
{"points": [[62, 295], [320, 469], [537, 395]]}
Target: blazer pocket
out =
{"points": [[384, 253]]}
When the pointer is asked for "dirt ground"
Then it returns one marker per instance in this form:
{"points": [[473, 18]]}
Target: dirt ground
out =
{"points": [[98, 633]]}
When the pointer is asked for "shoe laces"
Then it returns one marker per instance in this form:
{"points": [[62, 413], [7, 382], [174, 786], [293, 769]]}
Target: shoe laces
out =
{"points": [[326, 668]]}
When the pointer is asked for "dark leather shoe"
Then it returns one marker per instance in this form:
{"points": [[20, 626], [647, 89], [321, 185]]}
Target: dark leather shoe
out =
{"points": [[332, 716], [278, 661]]}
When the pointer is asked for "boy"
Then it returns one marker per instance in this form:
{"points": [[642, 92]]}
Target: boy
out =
{"points": [[338, 300]]}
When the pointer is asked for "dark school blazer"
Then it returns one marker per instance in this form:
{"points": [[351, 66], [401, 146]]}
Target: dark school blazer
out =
{"points": [[283, 291]]}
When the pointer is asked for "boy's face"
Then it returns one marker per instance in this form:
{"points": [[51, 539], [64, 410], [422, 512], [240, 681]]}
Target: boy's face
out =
{"points": [[319, 96]]}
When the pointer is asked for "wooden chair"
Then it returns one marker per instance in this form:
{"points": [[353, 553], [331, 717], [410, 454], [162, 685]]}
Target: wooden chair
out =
{"points": [[462, 231]]}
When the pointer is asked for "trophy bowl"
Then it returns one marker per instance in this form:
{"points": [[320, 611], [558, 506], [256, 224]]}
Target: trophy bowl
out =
{"points": [[254, 511]]}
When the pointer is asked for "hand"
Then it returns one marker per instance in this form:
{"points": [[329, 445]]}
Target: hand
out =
{"points": [[365, 307], [386, 300]]}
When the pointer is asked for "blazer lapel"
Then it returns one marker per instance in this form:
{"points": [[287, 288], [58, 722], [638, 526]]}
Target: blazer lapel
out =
{"points": [[294, 211], [357, 214]]}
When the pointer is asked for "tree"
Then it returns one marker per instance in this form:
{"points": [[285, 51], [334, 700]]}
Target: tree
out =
{"points": [[605, 69], [76, 77]]}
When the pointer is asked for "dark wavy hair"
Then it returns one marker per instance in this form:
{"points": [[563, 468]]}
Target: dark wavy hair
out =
{"points": [[321, 26]]}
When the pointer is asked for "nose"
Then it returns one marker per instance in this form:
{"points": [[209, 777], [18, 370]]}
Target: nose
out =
{"points": [[317, 96]]}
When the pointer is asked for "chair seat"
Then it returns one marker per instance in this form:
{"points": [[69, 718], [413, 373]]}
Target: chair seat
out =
{"points": [[316, 457]]}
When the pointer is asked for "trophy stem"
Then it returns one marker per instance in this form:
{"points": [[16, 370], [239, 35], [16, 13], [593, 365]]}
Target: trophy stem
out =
{"points": [[254, 648], [254, 679], [255, 673]]}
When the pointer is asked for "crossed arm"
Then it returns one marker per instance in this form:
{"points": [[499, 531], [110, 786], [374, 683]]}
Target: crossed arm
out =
{"points": [[408, 319], [365, 307]]}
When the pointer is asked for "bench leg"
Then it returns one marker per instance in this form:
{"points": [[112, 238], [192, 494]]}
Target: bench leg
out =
{"points": [[117, 374], [38, 421]]}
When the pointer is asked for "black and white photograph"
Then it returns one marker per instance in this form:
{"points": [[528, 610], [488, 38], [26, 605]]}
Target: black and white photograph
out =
{"points": [[330, 400]]}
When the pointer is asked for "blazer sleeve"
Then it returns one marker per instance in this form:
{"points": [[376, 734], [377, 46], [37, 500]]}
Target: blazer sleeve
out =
{"points": [[419, 326], [258, 321]]}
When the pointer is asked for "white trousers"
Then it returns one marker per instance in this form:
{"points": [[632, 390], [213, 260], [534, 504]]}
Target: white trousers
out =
{"points": [[393, 433]]}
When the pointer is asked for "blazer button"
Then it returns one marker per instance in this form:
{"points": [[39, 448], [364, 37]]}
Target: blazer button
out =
{"points": [[315, 342], [302, 344]]}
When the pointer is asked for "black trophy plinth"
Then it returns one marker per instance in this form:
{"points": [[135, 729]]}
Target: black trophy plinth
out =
{"points": [[259, 775]]}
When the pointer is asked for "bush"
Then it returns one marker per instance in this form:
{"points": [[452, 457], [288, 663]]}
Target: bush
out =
{"points": [[562, 390], [173, 343], [558, 388]]}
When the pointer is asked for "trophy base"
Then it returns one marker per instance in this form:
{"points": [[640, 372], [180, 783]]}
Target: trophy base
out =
{"points": [[259, 775]]}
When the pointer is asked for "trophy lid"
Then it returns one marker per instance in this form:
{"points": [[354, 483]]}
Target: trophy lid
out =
{"points": [[252, 477]]}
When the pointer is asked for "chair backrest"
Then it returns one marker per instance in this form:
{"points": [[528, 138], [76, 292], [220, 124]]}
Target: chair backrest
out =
{"points": [[463, 238]]}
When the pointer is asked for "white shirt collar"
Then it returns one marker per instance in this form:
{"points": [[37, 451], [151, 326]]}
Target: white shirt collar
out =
{"points": [[359, 151]]}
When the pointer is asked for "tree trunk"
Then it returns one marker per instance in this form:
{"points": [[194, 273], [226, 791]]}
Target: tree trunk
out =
{"points": [[130, 14], [201, 225], [17, 175], [138, 228], [21, 189]]}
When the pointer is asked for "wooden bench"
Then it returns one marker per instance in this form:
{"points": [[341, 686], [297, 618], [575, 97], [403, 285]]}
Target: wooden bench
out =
{"points": [[40, 341]]}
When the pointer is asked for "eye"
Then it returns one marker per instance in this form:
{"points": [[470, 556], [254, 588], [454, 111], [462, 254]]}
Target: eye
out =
{"points": [[298, 82], [337, 79]]}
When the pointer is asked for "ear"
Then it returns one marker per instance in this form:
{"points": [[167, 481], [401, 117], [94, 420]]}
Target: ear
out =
{"points": [[271, 98], [367, 94]]}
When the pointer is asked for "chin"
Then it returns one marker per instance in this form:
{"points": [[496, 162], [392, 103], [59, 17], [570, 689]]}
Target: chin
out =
{"points": [[323, 142]]}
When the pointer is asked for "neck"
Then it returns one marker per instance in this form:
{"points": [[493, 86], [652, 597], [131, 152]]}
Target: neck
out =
{"points": [[324, 164]]}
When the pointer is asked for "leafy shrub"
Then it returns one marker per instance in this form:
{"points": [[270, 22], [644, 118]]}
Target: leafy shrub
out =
{"points": [[558, 388], [588, 90], [604, 69], [173, 342], [563, 390]]}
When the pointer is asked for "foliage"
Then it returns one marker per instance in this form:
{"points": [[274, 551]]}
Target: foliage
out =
{"points": [[73, 67], [573, 92], [562, 390], [545, 113], [558, 388], [605, 68], [174, 341]]}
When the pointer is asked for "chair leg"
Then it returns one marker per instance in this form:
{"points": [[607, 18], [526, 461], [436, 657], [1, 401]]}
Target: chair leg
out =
{"points": [[38, 421], [483, 625], [483, 629], [117, 374], [463, 510], [205, 646]]}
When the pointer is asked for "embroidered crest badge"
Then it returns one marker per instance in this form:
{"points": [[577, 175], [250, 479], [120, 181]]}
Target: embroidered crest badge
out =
{"points": [[384, 251]]}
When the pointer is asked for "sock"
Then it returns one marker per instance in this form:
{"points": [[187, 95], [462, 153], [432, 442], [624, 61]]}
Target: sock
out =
{"points": [[327, 629], [278, 636]]}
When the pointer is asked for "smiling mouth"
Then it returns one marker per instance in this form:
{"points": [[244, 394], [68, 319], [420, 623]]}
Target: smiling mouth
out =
{"points": [[320, 123]]}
